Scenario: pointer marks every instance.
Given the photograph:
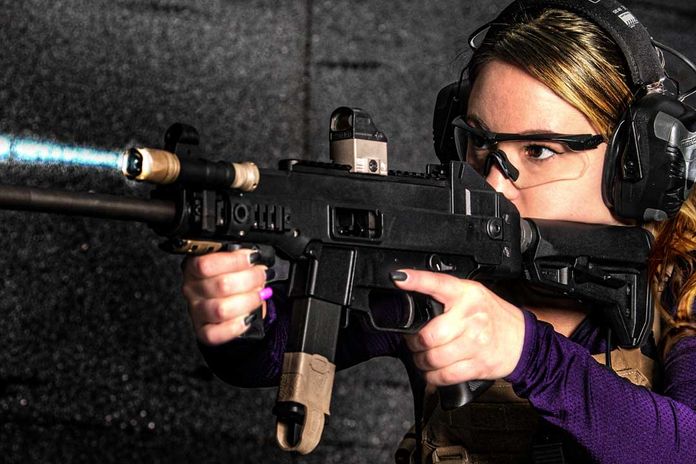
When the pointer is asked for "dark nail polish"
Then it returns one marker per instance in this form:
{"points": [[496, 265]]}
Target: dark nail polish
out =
{"points": [[251, 318], [255, 257], [398, 276], [270, 274]]}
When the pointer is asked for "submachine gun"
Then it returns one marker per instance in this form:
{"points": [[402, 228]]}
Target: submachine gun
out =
{"points": [[341, 227]]}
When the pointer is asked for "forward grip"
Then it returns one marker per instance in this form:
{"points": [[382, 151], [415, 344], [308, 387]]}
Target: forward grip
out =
{"points": [[281, 271], [455, 396], [255, 320], [255, 330]]}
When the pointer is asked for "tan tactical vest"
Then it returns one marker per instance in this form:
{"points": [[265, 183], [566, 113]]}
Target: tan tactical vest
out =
{"points": [[498, 428]]}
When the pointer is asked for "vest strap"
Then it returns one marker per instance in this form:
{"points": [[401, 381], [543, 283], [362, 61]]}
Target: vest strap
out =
{"points": [[499, 419], [450, 455], [632, 365]]}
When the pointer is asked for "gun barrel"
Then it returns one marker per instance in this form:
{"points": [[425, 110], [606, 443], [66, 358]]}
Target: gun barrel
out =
{"points": [[86, 204]]}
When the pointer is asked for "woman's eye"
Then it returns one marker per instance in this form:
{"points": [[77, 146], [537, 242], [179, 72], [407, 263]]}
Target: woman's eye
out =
{"points": [[479, 142], [539, 152]]}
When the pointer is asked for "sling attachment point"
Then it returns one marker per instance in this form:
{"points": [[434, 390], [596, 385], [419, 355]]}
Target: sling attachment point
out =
{"points": [[305, 385]]}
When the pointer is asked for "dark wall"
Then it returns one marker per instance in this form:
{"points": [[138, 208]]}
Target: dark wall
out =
{"points": [[97, 357]]}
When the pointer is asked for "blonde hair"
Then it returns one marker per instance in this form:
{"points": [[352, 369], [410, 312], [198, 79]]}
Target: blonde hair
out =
{"points": [[566, 53], [580, 63], [673, 263]]}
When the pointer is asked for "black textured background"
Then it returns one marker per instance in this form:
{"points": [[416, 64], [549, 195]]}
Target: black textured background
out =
{"points": [[97, 358]]}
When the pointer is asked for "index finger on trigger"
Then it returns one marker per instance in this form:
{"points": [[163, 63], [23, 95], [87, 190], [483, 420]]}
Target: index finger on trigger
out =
{"points": [[219, 263], [442, 287]]}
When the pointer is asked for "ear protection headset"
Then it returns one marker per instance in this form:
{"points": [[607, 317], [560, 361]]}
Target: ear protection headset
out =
{"points": [[650, 163]]}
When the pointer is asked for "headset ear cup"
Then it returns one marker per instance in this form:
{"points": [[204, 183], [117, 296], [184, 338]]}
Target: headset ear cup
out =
{"points": [[645, 170], [615, 147]]}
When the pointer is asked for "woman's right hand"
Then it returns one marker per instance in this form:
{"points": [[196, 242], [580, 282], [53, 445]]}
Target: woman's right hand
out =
{"points": [[222, 290]]}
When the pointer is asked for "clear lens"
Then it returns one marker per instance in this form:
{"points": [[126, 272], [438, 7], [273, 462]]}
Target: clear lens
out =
{"points": [[538, 162]]}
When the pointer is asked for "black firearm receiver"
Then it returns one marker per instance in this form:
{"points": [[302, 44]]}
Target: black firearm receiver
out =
{"points": [[340, 229]]}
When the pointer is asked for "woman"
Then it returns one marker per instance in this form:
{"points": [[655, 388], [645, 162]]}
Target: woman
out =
{"points": [[548, 71]]}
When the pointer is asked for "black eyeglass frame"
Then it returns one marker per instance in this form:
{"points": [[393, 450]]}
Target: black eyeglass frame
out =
{"points": [[579, 142]]}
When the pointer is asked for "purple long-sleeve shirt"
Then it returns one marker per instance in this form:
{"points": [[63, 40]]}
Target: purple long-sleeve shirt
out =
{"points": [[614, 420]]}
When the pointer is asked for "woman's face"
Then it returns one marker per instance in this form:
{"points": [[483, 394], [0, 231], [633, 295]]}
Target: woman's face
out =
{"points": [[505, 99]]}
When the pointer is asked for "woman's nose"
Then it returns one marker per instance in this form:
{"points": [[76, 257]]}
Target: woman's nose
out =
{"points": [[501, 183]]}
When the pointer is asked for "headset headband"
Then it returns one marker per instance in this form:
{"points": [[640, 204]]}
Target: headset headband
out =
{"points": [[616, 20]]}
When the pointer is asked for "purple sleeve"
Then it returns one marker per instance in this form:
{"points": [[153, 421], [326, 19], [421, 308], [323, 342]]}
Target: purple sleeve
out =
{"points": [[613, 419], [258, 363]]}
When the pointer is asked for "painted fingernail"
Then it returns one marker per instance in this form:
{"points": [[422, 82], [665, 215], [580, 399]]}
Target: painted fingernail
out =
{"points": [[251, 318], [266, 293], [270, 274], [398, 276], [254, 257]]}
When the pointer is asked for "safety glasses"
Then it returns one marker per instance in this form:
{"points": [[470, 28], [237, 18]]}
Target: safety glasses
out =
{"points": [[529, 159]]}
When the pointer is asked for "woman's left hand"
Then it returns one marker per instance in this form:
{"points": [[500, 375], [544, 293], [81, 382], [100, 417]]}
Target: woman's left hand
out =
{"points": [[479, 336]]}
